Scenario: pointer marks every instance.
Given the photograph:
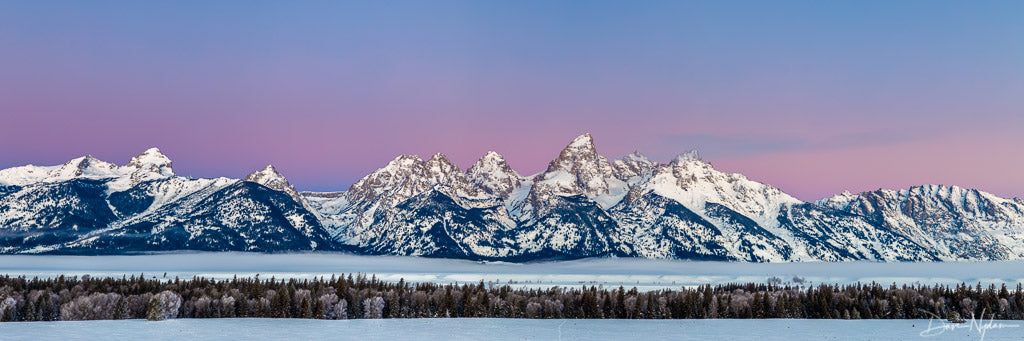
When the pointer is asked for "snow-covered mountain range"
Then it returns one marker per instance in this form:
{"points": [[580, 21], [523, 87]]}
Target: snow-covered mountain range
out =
{"points": [[582, 205]]}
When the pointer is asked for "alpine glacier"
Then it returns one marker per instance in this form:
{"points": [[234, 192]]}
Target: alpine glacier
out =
{"points": [[582, 205]]}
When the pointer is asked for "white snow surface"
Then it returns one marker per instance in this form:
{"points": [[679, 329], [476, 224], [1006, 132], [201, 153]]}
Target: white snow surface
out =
{"points": [[695, 183], [506, 329], [149, 165]]}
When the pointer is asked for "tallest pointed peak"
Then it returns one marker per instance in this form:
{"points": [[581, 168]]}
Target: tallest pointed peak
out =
{"points": [[584, 140], [581, 149]]}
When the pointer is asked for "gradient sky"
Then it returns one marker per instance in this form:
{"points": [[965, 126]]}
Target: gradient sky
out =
{"points": [[814, 97]]}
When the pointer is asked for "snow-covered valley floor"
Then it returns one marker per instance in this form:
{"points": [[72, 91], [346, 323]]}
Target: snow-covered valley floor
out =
{"points": [[644, 274], [505, 329]]}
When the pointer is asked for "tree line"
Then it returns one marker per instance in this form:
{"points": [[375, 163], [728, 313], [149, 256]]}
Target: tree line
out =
{"points": [[361, 296]]}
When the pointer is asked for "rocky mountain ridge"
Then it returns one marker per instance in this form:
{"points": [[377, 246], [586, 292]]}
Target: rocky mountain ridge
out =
{"points": [[581, 205]]}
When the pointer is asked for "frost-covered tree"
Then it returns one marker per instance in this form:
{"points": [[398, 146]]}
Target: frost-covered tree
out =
{"points": [[534, 310], [303, 302], [663, 311], [96, 306], [373, 307], [329, 302], [712, 312], [341, 310], [968, 306], [7, 305], [553, 308], [163, 306], [420, 304], [227, 306], [48, 299], [200, 307]]}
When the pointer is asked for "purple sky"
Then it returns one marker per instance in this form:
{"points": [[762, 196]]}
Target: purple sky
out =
{"points": [[813, 97]]}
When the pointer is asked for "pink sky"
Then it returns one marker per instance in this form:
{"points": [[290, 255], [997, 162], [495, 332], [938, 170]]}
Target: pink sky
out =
{"points": [[812, 99]]}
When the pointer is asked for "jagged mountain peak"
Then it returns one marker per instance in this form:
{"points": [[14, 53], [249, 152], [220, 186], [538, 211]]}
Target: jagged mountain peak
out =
{"points": [[84, 166], [688, 156], [948, 196], [271, 178], [439, 163], [150, 156], [407, 176], [152, 160], [634, 167], [490, 160], [492, 174], [405, 160], [491, 157], [266, 174], [930, 190], [947, 191], [579, 170], [684, 208], [635, 156], [84, 162], [580, 152], [583, 141], [147, 166], [838, 201], [441, 171], [439, 157], [951, 221]]}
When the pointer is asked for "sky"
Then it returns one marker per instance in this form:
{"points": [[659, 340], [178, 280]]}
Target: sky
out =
{"points": [[814, 97]]}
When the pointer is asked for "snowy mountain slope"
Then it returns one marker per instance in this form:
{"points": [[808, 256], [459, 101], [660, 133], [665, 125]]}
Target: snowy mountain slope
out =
{"points": [[46, 213], [952, 222], [695, 183], [243, 216], [581, 205], [433, 224], [819, 233], [578, 170], [149, 165], [665, 228], [570, 227], [91, 206]]}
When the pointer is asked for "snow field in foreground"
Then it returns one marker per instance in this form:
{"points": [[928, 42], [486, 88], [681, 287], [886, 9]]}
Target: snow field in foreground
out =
{"points": [[504, 329]]}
